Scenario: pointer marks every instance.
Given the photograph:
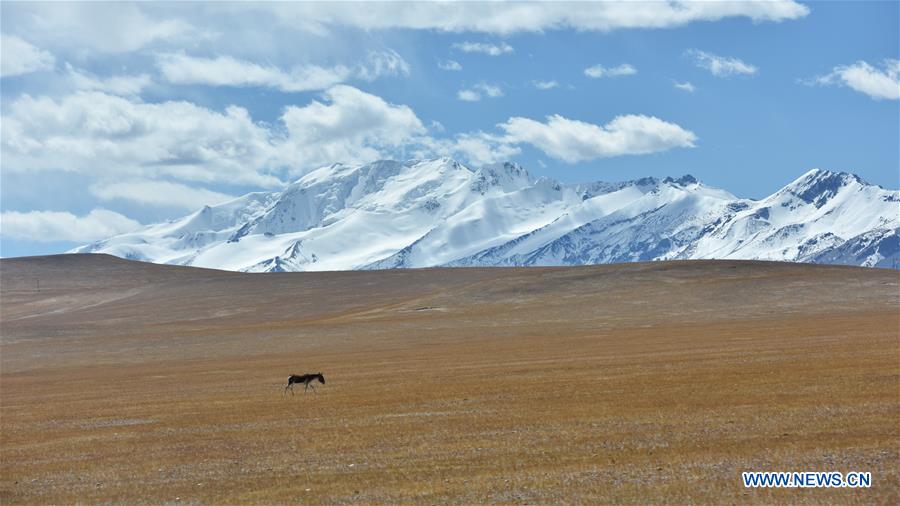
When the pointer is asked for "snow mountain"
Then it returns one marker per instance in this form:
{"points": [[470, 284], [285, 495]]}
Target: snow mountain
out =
{"points": [[423, 213]]}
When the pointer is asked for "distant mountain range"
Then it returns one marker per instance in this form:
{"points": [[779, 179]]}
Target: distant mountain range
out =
{"points": [[424, 213]]}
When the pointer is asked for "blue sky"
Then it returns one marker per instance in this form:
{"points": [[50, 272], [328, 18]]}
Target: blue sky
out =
{"points": [[118, 115]]}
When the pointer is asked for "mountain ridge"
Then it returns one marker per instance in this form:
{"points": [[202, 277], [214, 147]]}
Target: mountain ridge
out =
{"points": [[439, 212]]}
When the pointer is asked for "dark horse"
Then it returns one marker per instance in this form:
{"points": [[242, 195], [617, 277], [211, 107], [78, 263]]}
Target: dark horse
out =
{"points": [[306, 379]]}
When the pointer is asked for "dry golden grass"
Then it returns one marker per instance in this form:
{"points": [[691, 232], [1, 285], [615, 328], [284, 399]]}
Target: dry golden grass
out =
{"points": [[642, 383]]}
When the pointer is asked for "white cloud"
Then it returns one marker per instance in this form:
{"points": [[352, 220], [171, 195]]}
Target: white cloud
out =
{"points": [[107, 137], [18, 57], [74, 31], [468, 96], [598, 71], [350, 126], [180, 68], [475, 147], [877, 83], [685, 86], [382, 63], [49, 226], [720, 66], [545, 85], [104, 135], [476, 92], [564, 139], [481, 47], [449, 65], [490, 90], [103, 27], [117, 85], [507, 18], [158, 193], [480, 148], [575, 141]]}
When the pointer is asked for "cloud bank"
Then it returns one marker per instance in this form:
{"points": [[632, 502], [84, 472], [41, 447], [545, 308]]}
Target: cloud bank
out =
{"points": [[576, 141], [508, 18], [179, 68], [158, 193], [19, 57], [50, 226]]}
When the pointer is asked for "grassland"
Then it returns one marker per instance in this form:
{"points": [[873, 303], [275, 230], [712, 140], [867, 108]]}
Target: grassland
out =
{"points": [[123, 382]]}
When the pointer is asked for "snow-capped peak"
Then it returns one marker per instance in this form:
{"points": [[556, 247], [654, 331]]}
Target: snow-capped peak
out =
{"points": [[419, 213], [507, 176], [684, 180], [818, 185]]}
